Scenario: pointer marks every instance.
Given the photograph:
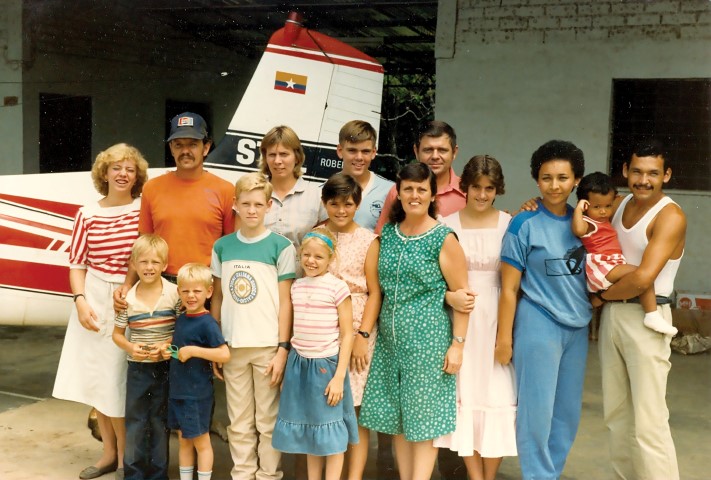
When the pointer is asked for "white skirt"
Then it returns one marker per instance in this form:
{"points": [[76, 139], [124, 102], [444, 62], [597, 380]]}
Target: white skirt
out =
{"points": [[92, 368]]}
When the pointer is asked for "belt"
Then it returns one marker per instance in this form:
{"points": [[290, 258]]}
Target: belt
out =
{"points": [[660, 300], [171, 278]]}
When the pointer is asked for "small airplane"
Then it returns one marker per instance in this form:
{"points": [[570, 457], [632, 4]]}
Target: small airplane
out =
{"points": [[307, 80]]}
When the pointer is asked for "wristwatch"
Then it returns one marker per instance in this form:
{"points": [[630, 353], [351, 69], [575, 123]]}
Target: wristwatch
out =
{"points": [[458, 339], [364, 334], [285, 345]]}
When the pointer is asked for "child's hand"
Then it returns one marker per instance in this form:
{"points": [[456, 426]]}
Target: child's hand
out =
{"points": [[217, 370], [185, 353], [276, 367], [582, 205], [334, 391], [140, 351]]}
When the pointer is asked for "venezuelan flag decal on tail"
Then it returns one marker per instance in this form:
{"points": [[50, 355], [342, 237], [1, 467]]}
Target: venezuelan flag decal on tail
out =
{"points": [[290, 82]]}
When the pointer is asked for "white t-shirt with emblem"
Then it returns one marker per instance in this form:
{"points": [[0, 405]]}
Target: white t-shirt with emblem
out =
{"points": [[250, 270]]}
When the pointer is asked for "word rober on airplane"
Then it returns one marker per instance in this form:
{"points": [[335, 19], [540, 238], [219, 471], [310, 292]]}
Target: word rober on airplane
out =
{"points": [[307, 80]]}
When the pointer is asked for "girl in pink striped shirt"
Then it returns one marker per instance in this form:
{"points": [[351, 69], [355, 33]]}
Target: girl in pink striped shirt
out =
{"points": [[316, 413]]}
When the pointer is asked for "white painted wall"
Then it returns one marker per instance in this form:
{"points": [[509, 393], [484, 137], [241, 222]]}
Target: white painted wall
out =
{"points": [[508, 91]]}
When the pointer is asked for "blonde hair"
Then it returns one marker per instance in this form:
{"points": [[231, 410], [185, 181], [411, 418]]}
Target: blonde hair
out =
{"points": [[150, 242], [287, 138], [195, 272], [253, 181], [322, 235], [119, 153]]}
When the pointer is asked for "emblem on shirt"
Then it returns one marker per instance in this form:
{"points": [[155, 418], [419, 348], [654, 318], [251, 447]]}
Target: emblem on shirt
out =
{"points": [[376, 207], [243, 287], [572, 264]]}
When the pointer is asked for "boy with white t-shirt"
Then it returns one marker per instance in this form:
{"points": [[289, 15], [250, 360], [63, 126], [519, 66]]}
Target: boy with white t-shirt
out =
{"points": [[253, 270]]}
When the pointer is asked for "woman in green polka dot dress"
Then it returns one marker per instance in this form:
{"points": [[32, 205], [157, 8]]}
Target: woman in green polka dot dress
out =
{"points": [[411, 387]]}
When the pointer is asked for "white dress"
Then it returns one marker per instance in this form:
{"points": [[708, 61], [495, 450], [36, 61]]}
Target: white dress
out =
{"points": [[92, 369], [486, 391]]}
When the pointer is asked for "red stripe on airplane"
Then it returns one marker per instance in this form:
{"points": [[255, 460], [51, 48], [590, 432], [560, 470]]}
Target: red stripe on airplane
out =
{"points": [[34, 276], [59, 208], [43, 226], [10, 236], [322, 58]]}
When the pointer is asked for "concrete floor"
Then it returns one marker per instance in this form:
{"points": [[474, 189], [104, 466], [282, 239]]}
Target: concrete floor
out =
{"points": [[45, 438]]}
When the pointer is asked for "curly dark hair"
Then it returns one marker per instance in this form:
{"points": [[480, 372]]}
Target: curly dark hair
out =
{"points": [[650, 147], [596, 182], [558, 150], [414, 172]]}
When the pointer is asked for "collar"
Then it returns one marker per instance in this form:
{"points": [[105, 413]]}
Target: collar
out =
{"points": [[453, 184]]}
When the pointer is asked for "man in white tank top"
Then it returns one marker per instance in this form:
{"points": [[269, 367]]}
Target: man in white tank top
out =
{"points": [[635, 359]]}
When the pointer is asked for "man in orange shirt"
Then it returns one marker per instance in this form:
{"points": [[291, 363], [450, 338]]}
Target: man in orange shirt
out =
{"points": [[189, 207]]}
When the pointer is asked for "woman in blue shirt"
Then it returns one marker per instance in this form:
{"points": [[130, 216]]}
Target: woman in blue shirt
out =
{"points": [[545, 330]]}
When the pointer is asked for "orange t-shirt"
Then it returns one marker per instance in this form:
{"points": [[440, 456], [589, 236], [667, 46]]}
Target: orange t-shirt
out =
{"points": [[189, 214]]}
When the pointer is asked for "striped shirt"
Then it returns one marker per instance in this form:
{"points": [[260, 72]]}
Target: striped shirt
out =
{"points": [[102, 239], [316, 328], [152, 324]]}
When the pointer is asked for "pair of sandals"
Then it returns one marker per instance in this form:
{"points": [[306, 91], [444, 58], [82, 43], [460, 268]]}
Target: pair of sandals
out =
{"points": [[94, 472]]}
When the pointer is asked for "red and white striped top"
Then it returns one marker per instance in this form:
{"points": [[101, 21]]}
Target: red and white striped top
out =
{"points": [[102, 239], [316, 328]]}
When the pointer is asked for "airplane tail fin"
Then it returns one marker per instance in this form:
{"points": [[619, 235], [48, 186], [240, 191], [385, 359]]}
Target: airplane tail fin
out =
{"points": [[310, 82]]}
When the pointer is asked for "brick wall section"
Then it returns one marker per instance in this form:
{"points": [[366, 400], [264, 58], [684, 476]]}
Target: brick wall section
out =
{"points": [[564, 21]]}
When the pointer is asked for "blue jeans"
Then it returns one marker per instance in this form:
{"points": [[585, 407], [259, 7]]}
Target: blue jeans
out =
{"points": [[549, 359], [147, 434]]}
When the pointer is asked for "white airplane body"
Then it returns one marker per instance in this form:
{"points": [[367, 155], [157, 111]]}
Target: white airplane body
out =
{"points": [[306, 80]]}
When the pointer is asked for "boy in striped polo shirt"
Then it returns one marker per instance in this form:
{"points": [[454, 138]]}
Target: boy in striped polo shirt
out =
{"points": [[153, 304]]}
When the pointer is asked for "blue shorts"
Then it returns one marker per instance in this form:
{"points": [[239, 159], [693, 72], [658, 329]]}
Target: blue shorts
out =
{"points": [[191, 417]]}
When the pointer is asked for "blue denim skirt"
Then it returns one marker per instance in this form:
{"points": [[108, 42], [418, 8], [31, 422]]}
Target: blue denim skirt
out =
{"points": [[306, 423]]}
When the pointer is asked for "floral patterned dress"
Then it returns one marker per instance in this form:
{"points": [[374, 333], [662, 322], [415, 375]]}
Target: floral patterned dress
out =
{"points": [[407, 391], [349, 266]]}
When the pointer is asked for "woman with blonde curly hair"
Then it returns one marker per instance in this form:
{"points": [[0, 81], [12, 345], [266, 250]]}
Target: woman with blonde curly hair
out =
{"points": [[92, 369]]}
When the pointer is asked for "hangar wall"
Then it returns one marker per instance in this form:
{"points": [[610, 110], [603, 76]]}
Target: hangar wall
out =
{"points": [[10, 86], [513, 74], [126, 62]]}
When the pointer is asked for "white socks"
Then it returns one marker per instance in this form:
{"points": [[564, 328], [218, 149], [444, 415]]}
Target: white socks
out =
{"points": [[656, 322], [186, 473]]}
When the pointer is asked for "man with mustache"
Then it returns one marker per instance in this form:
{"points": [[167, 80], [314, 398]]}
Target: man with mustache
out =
{"points": [[189, 207], [436, 146], [635, 359]]}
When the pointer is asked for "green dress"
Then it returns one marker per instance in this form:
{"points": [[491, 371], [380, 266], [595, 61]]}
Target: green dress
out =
{"points": [[407, 390]]}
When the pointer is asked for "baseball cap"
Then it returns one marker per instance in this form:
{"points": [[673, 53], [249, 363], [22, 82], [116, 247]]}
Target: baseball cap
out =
{"points": [[187, 125]]}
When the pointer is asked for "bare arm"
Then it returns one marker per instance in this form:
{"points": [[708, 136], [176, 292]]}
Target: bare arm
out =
{"points": [[119, 294], [666, 241], [334, 389], [87, 315], [579, 226], [510, 285], [286, 319], [216, 300], [219, 354], [452, 263], [359, 356]]}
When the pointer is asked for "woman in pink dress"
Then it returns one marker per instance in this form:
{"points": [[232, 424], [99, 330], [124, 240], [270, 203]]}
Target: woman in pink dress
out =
{"points": [[357, 264], [486, 396]]}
